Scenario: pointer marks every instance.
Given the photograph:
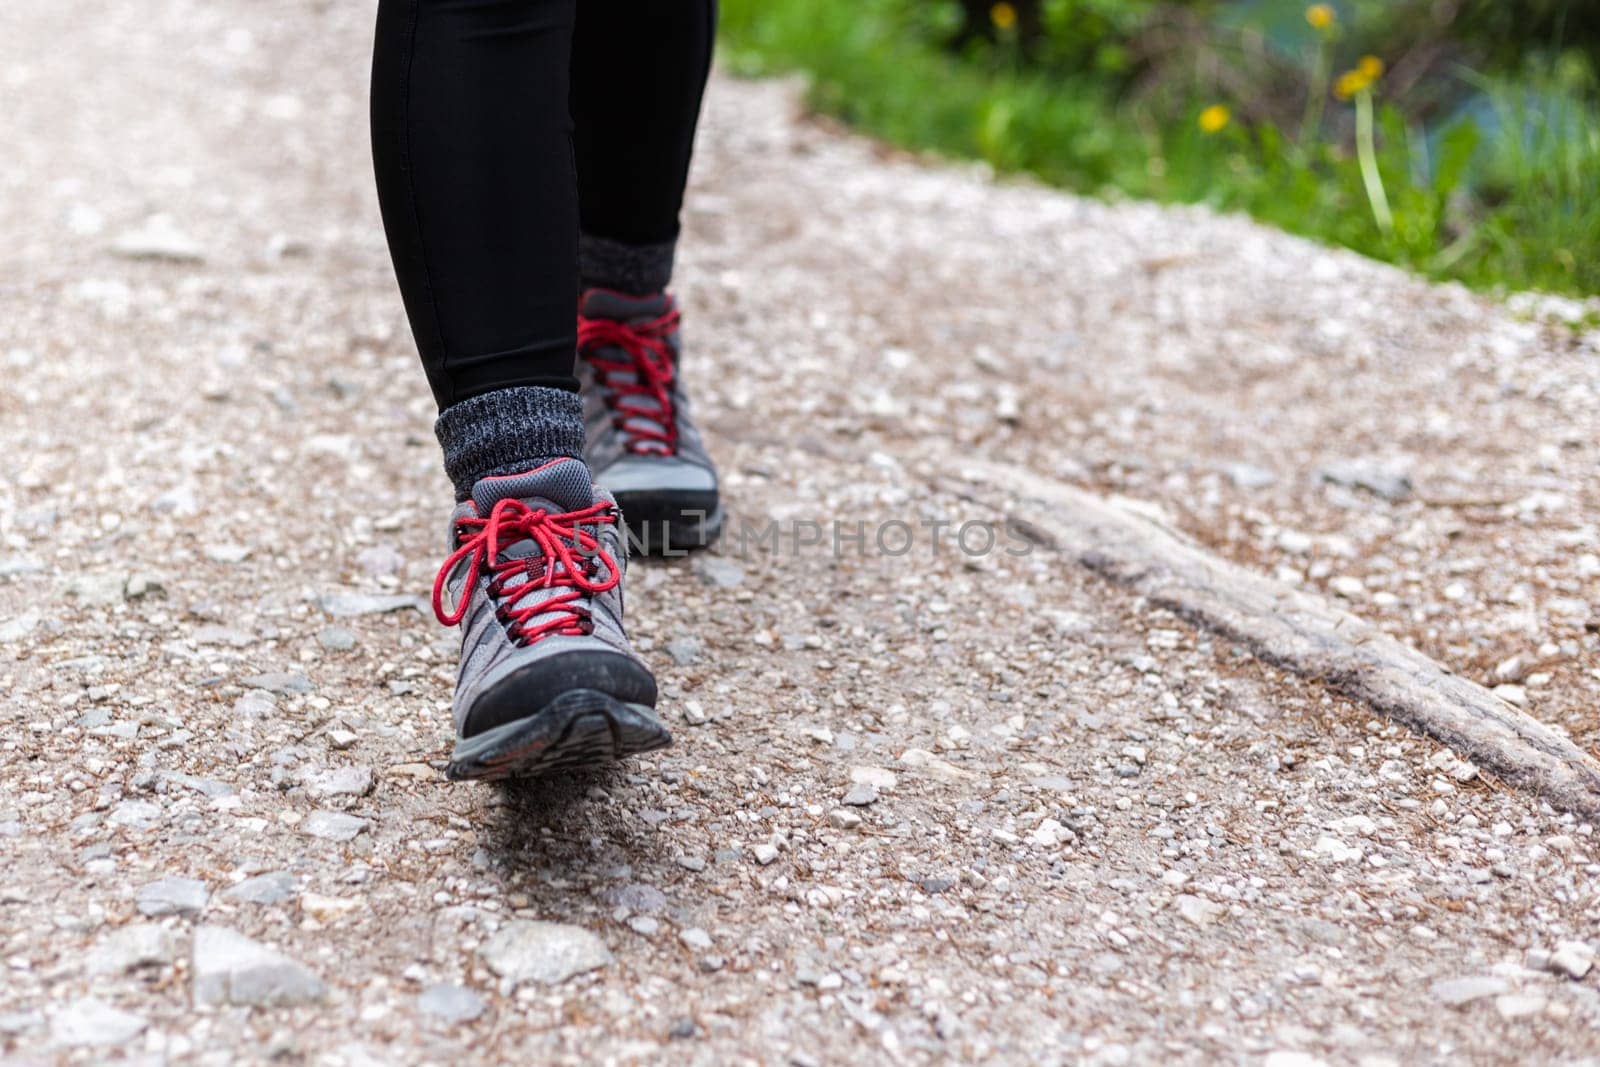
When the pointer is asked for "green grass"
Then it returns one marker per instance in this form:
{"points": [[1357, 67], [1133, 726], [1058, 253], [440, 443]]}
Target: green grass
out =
{"points": [[1511, 200]]}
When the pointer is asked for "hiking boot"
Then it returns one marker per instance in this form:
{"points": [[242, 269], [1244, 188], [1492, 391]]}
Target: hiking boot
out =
{"points": [[547, 677], [641, 443]]}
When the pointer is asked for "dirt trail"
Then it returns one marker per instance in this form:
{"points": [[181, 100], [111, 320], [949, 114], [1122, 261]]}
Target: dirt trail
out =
{"points": [[924, 807]]}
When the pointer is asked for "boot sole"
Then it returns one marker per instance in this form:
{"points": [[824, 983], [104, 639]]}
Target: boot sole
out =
{"points": [[580, 730]]}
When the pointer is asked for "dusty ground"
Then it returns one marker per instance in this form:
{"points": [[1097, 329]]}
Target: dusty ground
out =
{"points": [[1083, 833]]}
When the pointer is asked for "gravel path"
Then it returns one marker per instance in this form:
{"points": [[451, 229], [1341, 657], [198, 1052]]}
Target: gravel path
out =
{"points": [[923, 808]]}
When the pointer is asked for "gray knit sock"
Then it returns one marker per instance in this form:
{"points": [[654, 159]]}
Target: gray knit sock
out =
{"points": [[508, 431], [634, 269]]}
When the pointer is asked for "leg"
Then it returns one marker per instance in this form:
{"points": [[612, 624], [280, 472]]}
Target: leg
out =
{"points": [[638, 72], [471, 139], [472, 144]]}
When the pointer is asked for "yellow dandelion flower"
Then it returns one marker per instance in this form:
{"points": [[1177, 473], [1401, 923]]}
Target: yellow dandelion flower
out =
{"points": [[1350, 83], [1321, 16], [1214, 118], [1371, 67], [1003, 15]]}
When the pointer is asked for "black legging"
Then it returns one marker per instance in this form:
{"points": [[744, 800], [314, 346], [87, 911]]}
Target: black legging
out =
{"points": [[486, 171]]}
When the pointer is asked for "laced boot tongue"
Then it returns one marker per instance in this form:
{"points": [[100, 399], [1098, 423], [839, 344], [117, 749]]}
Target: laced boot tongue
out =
{"points": [[642, 397], [621, 307], [543, 596], [561, 485], [558, 486]]}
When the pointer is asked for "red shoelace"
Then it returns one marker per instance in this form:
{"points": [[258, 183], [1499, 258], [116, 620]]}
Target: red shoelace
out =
{"points": [[569, 556], [649, 429]]}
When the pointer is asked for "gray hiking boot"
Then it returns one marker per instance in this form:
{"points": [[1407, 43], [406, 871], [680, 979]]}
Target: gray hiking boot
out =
{"points": [[547, 677], [642, 445]]}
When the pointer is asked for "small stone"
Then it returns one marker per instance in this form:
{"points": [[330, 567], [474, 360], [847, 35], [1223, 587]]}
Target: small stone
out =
{"points": [[336, 638], [333, 825], [98, 590], [1572, 958], [684, 650], [1359, 824], [1455, 992], [326, 909], [94, 1022], [206, 787], [17, 627], [1338, 851], [547, 953], [349, 781], [719, 571], [93, 719], [1049, 834], [339, 740], [878, 777], [173, 896], [229, 968], [1388, 482], [1519, 1005], [158, 238], [765, 854], [692, 863], [644, 925], [347, 605], [380, 560], [137, 813], [1294, 541], [130, 947], [1514, 695], [14, 566], [284, 683], [860, 795], [926, 762], [254, 705], [694, 714], [1348, 586], [142, 584], [1198, 911], [1248, 475], [844, 818], [695, 938], [452, 1003], [274, 887], [1514, 669], [640, 899]]}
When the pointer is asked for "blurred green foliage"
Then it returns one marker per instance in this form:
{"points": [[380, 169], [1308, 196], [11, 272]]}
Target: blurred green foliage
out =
{"points": [[1484, 148]]}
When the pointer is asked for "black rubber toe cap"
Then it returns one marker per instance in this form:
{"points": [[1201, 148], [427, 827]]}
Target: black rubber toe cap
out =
{"points": [[527, 690], [670, 521]]}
